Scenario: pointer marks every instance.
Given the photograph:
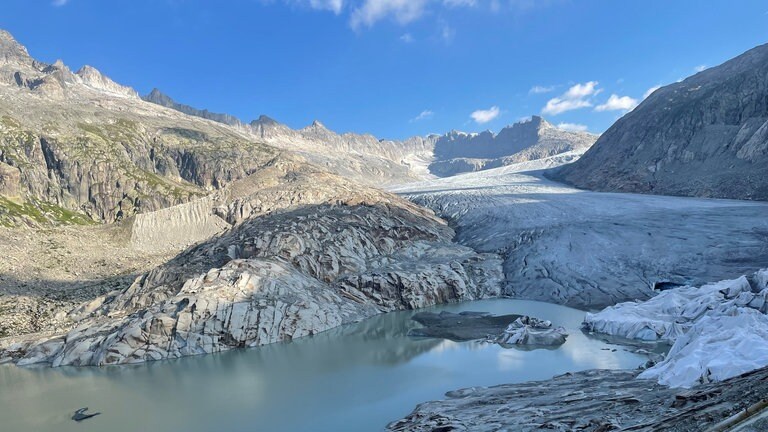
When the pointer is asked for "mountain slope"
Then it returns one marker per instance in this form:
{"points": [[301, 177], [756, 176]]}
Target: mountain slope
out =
{"points": [[78, 146], [705, 136], [270, 246], [374, 161], [159, 98]]}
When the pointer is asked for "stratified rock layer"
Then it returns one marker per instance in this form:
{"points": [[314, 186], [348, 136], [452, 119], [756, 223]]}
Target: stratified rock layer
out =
{"points": [[270, 279]]}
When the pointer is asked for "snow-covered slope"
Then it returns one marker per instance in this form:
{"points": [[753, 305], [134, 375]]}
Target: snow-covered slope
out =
{"points": [[592, 249]]}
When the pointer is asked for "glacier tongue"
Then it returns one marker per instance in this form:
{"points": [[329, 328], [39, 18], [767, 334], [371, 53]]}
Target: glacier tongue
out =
{"points": [[719, 330]]}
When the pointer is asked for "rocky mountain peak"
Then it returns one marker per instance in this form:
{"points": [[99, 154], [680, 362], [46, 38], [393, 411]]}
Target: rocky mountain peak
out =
{"points": [[94, 79], [158, 97], [264, 120], [318, 125], [11, 50]]}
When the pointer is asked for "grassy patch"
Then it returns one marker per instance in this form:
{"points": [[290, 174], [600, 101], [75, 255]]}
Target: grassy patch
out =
{"points": [[39, 212]]}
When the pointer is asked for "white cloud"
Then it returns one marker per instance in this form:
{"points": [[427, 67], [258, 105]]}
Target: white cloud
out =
{"points": [[402, 11], [424, 115], [617, 103], [650, 91], [448, 33], [577, 97], [580, 91], [541, 89], [700, 68], [457, 3], [406, 38], [484, 116], [59, 2], [334, 6], [572, 127]]}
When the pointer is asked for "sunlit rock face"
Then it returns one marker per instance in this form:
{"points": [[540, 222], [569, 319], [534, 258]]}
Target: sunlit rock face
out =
{"points": [[271, 279]]}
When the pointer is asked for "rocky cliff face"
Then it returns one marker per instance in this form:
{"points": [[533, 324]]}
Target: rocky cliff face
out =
{"points": [[705, 136]]}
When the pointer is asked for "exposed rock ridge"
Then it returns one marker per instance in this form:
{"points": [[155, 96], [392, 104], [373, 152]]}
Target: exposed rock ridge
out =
{"points": [[160, 98], [273, 278]]}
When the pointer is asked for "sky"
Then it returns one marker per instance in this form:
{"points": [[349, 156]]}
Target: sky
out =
{"points": [[395, 68]]}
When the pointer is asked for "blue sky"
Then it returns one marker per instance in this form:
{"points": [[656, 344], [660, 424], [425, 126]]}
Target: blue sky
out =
{"points": [[395, 68]]}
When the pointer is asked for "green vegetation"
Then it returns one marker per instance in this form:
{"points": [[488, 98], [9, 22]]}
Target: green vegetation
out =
{"points": [[39, 212]]}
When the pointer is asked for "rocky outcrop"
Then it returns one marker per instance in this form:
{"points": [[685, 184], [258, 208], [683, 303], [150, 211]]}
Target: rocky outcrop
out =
{"points": [[589, 401], [273, 278], [93, 78], [160, 98], [10, 179], [704, 136], [532, 332], [462, 326]]}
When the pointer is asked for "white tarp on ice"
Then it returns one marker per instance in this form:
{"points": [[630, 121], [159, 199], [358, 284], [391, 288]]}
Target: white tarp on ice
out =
{"points": [[719, 330]]}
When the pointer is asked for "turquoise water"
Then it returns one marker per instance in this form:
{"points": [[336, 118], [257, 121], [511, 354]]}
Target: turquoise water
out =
{"points": [[355, 378]]}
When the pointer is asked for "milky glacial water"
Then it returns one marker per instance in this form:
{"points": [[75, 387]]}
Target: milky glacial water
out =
{"points": [[354, 378]]}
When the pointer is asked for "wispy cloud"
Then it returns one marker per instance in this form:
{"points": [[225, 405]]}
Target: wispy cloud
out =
{"points": [[577, 97], [617, 103], [572, 127], [59, 3], [650, 91], [484, 116], [372, 11], [334, 6], [424, 115], [406, 38], [541, 89], [447, 33], [700, 68]]}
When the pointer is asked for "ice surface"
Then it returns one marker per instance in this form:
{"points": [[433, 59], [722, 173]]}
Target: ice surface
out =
{"points": [[591, 249], [719, 330]]}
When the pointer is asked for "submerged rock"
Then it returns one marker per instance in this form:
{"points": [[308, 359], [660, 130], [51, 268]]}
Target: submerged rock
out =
{"points": [[463, 326], [532, 332]]}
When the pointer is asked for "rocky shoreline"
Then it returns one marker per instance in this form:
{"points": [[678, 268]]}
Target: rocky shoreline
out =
{"points": [[591, 401]]}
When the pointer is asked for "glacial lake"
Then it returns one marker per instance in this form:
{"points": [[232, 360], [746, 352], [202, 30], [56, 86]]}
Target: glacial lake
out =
{"points": [[354, 378]]}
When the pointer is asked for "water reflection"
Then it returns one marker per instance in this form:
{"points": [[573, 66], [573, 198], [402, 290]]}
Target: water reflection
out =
{"points": [[357, 377]]}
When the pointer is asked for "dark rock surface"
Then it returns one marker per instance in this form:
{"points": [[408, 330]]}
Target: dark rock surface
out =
{"points": [[591, 401], [462, 326]]}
